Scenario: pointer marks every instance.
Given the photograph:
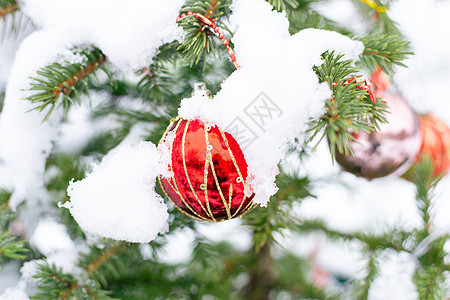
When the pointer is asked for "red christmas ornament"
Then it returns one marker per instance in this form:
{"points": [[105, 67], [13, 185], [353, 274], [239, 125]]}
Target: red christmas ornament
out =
{"points": [[435, 143], [209, 172], [392, 149]]}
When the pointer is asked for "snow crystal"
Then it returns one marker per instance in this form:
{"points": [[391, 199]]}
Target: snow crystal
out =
{"points": [[395, 278], [51, 236], [118, 199], [267, 102]]}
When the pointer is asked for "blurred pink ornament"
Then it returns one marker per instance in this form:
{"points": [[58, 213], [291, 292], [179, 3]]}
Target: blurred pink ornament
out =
{"points": [[320, 277], [392, 149]]}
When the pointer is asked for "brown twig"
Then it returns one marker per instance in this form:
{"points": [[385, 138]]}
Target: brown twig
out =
{"points": [[11, 8], [376, 53], [64, 86], [210, 12], [92, 267], [66, 295]]}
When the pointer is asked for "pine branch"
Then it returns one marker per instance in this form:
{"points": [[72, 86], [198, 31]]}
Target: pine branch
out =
{"points": [[292, 276], [5, 213], [211, 268], [54, 284], [349, 110], [8, 7], [68, 168], [11, 247], [277, 217], [372, 271], [14, 21], [2, 99], [212, 9], [429, 277], [63, 83], [157, 81], [281, 5], [376, 12], [264, 222], [301, 18], [422, 176], [100, 262], [384, 51], [387, 25], [429, 282], [394, 239], [92, 267], [199, 39], [375, 5]]}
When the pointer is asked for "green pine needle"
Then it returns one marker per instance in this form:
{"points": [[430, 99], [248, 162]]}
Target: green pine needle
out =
{"points": [[385, 51], [11, 247], [53, 283], [199, 39], [157, 81], [350, 109], [62, 84]]}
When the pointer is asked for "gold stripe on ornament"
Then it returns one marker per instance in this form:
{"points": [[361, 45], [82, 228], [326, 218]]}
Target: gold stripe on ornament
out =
{"points": [[205, 180], [182, 211], [183, 154], [205, 173], [219, 188], [230, 194], [250, 206], [237, 169], [240, 206], [232, 156], [174, 186]]}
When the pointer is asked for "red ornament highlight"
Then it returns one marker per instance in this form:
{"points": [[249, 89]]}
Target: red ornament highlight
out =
{"points": [[435, 143], [209, 172]]}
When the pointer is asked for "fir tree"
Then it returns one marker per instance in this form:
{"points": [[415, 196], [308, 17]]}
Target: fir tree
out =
{"points": [[109, 269]]}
